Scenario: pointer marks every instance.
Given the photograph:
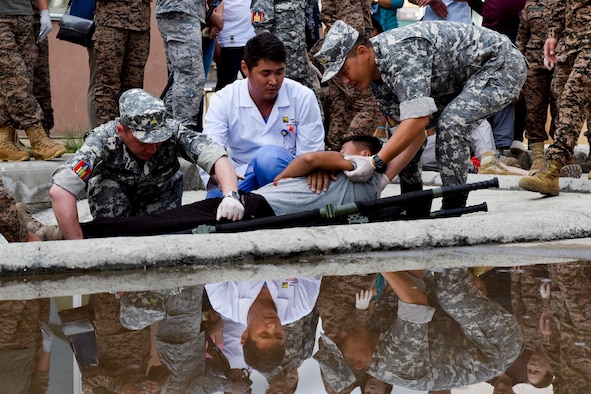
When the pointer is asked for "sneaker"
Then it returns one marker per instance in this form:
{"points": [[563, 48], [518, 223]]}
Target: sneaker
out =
{"points": [[517, 147], [571, 171], [490, 163], [50, 233], [32, 225]]}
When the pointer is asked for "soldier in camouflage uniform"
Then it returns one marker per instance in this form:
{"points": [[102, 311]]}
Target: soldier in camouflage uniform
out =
{"points": [[18, 107], [465, 339], [11, 227], [130, 166], [180, 24], [447, 75], [348, 111], [121, 47], [286, 19], [41, 85], [570, 26], [531, 36]]}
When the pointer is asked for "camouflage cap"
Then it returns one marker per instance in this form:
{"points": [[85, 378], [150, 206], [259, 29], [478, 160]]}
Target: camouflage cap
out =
{"points": [[140, 309], [332, 364], [145, 115], [337, 44]]}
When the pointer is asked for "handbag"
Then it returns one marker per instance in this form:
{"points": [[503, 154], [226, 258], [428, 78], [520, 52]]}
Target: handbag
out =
{"points": [[75, 29]]}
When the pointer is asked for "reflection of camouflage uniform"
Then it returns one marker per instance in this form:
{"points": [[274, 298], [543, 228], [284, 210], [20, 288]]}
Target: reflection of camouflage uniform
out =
{"points": [[536, 90], [455, 73], [121, 47], [336, 304], [286, 19], [123, 354], [469, 340], [181, 345], [571, 25], [41, 85], [10, 226], [179, 22], [120, 185], [18, 107], [348, 111], [574, 326], [20, 340]]}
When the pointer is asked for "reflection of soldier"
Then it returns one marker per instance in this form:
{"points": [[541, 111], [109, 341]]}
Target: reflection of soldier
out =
{"points": [[336, 304], [180, 342], [348, 111], [573, 324], [123, 354], [121, 47], [464, 340], [24, 348], [286, 19]]}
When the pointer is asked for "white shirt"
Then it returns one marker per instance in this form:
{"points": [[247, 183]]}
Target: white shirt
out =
{"points": [[234, 121], [294, 298], [237, 24]]}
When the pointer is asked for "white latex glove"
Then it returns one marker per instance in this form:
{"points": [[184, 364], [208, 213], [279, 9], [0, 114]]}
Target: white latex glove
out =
{"points": [[384, 181], [231, 209], [47, 337], [362, 299], [45, 25], [364, 168]]}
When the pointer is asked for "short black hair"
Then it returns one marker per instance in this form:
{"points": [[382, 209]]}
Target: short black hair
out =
{"points": [[264, 46], [547, 381], [371, 143], [263, 360]]}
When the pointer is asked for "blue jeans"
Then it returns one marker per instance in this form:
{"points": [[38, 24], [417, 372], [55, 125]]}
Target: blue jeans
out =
{"points": [[267, 163]]}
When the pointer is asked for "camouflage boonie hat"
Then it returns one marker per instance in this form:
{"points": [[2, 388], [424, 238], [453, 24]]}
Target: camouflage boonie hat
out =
{"points": [[140, 309], [337, 44], [145, 115], [332, 364]]}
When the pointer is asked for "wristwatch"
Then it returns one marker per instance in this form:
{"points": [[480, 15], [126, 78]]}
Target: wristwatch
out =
{"points": [[378, 164], [232, 194]]}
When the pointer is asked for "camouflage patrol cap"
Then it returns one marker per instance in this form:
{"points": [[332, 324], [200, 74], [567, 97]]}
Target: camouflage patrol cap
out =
{"points": [[332, 364], [145, 115], [140, 309], [337, 44]]}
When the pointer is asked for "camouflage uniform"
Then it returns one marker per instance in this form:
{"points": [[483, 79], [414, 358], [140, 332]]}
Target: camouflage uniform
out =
{"points": [[286, 19], [570, 25], [10, 226], [41, 83], [18, 106], [121, 47], [20, 340], [573, 322], [180, 24], [455, 73], [123, 354], [467, 339], [181, 345], [348, 111], [119, 184], [536, 90]]}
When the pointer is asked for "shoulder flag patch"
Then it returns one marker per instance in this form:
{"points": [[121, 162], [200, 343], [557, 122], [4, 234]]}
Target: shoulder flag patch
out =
{"points": [[82, 169]]}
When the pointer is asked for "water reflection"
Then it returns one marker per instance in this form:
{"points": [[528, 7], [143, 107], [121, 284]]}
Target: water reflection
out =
{"points": [[425, 330]]}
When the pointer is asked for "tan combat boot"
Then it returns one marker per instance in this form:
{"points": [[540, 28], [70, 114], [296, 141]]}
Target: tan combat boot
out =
{"points": [[8, 150], [44, 148], [544, 181], [538, 159]]}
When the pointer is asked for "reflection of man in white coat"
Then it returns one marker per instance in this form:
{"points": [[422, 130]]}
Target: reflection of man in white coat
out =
{"points": [[255, 312]]}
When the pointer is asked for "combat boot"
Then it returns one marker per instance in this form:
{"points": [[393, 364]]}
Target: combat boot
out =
{"points": [[538, 159], [44, 148], [544, 181], [8, 150]]}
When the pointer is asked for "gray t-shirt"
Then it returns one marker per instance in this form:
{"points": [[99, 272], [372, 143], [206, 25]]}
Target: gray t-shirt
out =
{"points": [[293, 194]]}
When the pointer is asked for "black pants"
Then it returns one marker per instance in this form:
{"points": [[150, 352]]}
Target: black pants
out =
{"points": [[176, 220]]}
